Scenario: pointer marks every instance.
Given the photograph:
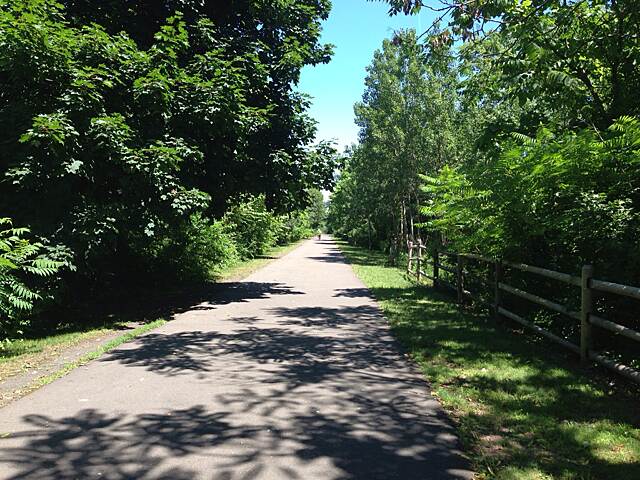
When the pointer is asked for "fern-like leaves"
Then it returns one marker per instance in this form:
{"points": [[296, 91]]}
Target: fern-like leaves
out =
{"points": [[20, 260]]}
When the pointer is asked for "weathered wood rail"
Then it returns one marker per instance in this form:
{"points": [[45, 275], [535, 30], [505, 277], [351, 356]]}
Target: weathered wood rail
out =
{"points": [[587, 316]]}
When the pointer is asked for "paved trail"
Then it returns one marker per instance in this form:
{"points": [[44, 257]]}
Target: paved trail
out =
{"points": [[290, 374]]}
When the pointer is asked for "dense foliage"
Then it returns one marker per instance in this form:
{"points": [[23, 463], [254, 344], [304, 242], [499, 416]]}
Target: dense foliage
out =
{"points": [[408, 126], [562, 198], [317, 212], [537, 114], [20, 261], [524, 123], [129, 130]]}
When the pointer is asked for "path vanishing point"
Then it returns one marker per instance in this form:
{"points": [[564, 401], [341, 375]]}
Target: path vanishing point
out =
{"points": [[289, 374]]}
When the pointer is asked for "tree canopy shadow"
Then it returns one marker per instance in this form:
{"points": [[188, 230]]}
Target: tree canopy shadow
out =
{"points": [[325, 241], [149, 304], [340, 394], [537, 404], [344, 402], [330, 257], [92, 444], [154, 446], [359, 316], [353, 292], [168, 354], [299, 355], [215, 295], [233, 292]]}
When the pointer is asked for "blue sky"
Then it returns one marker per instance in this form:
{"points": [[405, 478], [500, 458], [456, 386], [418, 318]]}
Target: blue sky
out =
{"points": [[356, 28]]}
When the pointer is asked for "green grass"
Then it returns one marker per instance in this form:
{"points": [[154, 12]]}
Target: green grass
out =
{"points": [[523, 410], [35, 345], [22, 355], [101, 350], [57, 344], [245, 268]]}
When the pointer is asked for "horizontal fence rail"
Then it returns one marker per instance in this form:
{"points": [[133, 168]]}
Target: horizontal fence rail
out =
{"points": [[539, 300], [616, 288], [446, 269], [545, 333], [614, 327], [587, 316], [562, 277]]}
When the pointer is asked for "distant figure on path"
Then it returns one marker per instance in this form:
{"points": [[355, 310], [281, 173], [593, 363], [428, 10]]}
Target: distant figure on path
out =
{"points": [[319, 234]]}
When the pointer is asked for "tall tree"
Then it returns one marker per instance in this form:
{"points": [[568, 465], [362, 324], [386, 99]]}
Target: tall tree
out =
{"points": [[578, 58], [112, 134], [406, 120]]}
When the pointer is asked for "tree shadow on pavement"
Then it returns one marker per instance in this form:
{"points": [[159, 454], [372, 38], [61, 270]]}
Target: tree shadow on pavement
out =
{"points": [[92, 444], [331, 257], [308, 397], [212, 296], [284, 347], [354, 293], [316, 393], [164, 446], [320, 317], [149, 305]]}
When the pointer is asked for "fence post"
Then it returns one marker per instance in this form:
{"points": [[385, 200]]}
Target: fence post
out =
{"points": [[410, 257], [459, 278], [586, 340], [419, 260], [436, 269], [497, 294]]}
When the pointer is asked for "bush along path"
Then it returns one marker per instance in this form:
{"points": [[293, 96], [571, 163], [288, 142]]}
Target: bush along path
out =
{"points": [[291, 373], [523, 410]]}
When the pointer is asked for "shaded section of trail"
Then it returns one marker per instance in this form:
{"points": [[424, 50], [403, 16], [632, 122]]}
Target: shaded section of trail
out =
{"points": [[292, 374]]}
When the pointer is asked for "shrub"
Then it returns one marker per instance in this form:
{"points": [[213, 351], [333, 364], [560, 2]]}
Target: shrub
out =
{"points": [[252, 227], [196, 251], [20, 261], [293, 227], [562, 199], [209, 247]]}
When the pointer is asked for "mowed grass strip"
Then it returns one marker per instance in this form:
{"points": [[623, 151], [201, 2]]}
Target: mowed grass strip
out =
{"points": [[244, 268], [522, 408], [101, 350], [22, 355], [55, 345]]}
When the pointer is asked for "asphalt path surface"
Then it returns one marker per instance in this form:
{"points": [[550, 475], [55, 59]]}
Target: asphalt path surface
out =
{"points": [[289, 374]]}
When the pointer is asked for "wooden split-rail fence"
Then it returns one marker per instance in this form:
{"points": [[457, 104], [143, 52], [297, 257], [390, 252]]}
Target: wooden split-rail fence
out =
{"points": [[587, 316]]}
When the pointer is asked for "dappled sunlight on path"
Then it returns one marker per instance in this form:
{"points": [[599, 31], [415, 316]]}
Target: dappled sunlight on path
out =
{"points": [[292, 374]]}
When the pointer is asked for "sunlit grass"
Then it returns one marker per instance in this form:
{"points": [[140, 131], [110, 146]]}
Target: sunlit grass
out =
{"points": [[35, 345], [244, 268], [102, 349], [20, 355], [524, 411]]}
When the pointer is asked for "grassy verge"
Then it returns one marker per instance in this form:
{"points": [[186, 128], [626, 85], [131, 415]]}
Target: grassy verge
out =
{"points": [[523, 410], [99, 351], [22, 355], [247, 267]]}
